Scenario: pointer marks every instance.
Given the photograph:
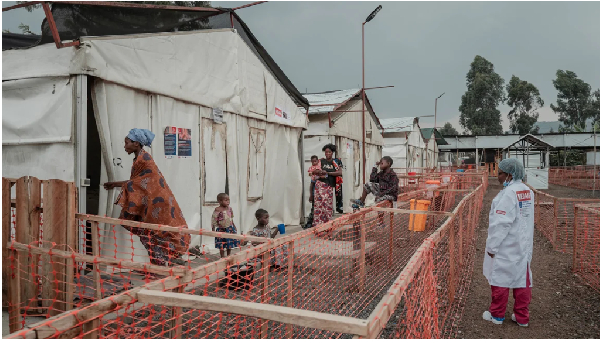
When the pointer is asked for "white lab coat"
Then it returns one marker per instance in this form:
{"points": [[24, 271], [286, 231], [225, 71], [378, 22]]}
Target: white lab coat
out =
{"points": [[510, 237]]}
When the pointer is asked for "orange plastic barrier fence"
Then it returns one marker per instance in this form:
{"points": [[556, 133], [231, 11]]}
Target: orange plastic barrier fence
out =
{"points": [[363, 274], [586, 245], [580, 177], [555, 218]]}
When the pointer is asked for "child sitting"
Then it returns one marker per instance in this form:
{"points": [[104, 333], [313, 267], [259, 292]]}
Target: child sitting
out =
{"points": [[278, 254], [222, 221], [316, 165], [383, 185]]}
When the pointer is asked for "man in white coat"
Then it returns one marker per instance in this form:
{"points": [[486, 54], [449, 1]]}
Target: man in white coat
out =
{"points": [[509, 245]]}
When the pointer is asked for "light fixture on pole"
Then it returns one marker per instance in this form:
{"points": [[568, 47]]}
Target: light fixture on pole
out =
{"points": [[435, 119], [364, 155]]}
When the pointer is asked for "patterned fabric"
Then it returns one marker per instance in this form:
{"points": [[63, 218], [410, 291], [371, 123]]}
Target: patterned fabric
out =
{"points": [[312, 169], [147, 198], [222, 221], [226, 243], [388, 182], [142, 136], [374, 188], [323, 203], [279, 254]]}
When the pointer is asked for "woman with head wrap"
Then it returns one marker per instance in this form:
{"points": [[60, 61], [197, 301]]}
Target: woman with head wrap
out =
{"points": [[509, 245], [147, 198], [325, 186]]}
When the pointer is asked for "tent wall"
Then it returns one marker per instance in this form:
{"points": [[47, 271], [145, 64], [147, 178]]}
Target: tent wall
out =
{"points": [[396, 147], [349, 124], [221, 155], [37, 128]]}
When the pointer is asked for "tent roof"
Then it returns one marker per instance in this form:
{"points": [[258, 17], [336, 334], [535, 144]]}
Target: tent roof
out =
{"points": [[529, 142], [404, 124], [326, 102], [439, 139], [74, 21]]}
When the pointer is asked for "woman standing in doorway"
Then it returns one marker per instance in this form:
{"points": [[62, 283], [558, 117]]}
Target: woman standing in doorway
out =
{"points": [[147, 198], [325, 186]]}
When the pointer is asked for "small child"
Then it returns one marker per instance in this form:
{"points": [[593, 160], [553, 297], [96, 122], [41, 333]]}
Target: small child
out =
{"points": [[316, 165], [222, 221], [279, 254]]}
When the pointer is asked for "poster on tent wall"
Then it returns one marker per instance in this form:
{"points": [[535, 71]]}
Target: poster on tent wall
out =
{"points": [[282, 115], [184, 144], [170, 141]]}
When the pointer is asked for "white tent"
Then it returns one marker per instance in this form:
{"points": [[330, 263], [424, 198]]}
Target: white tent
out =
{"points": [[336, 117], [66, 112], [404, 143]]}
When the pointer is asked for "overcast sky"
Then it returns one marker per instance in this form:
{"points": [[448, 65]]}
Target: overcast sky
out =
{"points": [[422, 48]]}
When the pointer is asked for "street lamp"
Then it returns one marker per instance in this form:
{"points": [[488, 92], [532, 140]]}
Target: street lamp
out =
{"points": [[369, 18], [435, 119]]}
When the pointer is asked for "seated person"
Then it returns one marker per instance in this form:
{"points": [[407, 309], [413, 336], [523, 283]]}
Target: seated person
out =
{"points": [[383, 185]]}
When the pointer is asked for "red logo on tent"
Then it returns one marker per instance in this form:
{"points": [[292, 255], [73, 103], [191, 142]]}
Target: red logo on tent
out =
{"points": [[500, 212], [278, 112], [523, 195]]}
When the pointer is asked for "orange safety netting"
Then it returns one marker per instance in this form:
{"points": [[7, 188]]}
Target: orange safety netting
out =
{"points": [[586, 246], [580, 177], [403, 272], [554, 217]]}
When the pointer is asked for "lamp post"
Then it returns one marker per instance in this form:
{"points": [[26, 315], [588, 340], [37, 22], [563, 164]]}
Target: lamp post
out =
{"points": [[364, 155], [435, 119]]}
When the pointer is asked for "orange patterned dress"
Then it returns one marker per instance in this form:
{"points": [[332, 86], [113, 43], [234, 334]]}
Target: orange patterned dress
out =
{"points": [[147, 198]]}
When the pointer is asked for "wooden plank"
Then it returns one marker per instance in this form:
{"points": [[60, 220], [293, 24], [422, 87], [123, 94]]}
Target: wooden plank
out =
{"points": [[14, 291], [23, 234], [391, 248], [362, 268], [34, 209], [554, 234], [282, 314], [116, 221], [575, 240], [265, 262], [452, 272], [290, 294], [92, 326], [460, 212], [141, 266], [6, 217], [399, 210], [176, 314], [71, 241], [67, 322], [53, 268]]}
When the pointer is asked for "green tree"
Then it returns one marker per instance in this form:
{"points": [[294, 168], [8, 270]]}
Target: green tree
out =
{"points": [[574, 103], [25, 29], [479, 112], [525, 100], [448, 130]]}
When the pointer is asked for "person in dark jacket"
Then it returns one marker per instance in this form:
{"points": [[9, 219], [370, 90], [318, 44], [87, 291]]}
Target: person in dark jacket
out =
{"points": [[383, 185]]}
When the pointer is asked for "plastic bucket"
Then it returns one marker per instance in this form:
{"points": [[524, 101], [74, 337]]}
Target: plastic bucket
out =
{"points": [[281, 228], [416, 222], [445, 179]]}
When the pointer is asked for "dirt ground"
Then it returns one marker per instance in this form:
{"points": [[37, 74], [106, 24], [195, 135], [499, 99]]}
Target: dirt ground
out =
{"points": [[568, 192], [562, 305]]}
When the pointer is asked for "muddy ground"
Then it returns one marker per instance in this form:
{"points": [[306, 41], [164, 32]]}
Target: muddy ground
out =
{"points": [[563, 306]]}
